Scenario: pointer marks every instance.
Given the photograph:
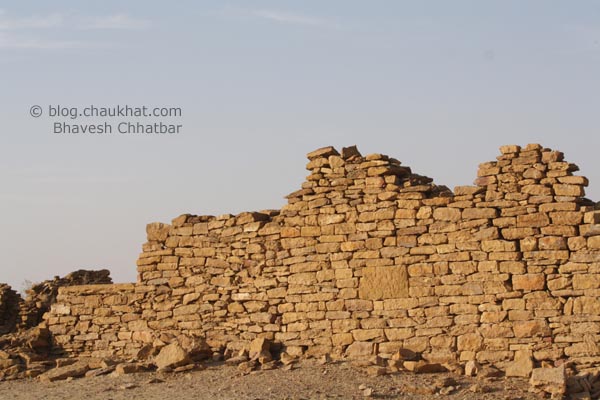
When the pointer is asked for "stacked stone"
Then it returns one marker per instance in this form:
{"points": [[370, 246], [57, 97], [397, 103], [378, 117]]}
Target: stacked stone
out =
{"points": [[547, 220], [40, 296], [97, 320], [344, 223], [215, 272], [9, 308], [370, 258]]}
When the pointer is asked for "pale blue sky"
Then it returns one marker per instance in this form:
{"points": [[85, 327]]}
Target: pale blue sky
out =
{"points": [[439, 85]]}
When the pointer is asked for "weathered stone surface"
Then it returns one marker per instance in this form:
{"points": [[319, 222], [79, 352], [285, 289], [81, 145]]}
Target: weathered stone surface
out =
{"points": [[258, 347], [171, 356], [128, 368], [522, 365], [360, 350], [75, 370], [366, 258], [424, 367], [323, 152], [549, 380], [472, 368], [157, 231], [529, 282], [380, 283]]}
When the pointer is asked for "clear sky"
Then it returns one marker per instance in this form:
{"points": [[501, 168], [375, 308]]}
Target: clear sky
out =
{"points": [[439, 85]]}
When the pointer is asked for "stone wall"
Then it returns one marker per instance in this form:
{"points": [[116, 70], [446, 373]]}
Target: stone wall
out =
{"points": [[9, 308], [370, 258], [40, 296]]}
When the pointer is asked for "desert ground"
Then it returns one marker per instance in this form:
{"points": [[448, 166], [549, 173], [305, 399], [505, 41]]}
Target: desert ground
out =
{"points": [[306, 380]]}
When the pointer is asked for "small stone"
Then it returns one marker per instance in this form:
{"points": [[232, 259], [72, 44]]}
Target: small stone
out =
{"points": [[286, 359], [476, 388], [258, 347], [350, 152], [447, 390], [265, 357], [99, 372], [423, 367], [236, 360], [472, 368], [185, 368], [288, 367], [268, 365], [489, 372], [377, 360], [247, 366], [128, 368], [146, 352], [128, 386], [325, 359]]}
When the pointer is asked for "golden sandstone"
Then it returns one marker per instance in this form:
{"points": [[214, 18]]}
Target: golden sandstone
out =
{"points": [[368, 258]]}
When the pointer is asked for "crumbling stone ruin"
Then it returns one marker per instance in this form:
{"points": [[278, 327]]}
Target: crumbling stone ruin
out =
{"points": [[9, 308], [25, 343], [40, 296], [367, 260]]}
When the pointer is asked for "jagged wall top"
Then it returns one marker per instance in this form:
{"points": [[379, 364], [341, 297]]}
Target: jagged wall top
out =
{"points": [[332, 171], [533, 172]]}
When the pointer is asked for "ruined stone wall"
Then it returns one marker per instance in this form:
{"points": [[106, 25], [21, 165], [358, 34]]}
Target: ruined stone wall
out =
{"points": [[370, 258], [9, 307], [41, 295], [93, 318]]}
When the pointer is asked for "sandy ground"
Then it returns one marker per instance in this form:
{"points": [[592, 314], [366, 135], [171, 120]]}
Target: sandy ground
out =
{"points": [[308, 380]]}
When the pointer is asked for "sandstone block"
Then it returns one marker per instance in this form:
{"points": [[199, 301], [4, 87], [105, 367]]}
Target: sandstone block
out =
{"points": [[534, 220], [498, 245], [522, 365], [75, 370], [517, 233], [259, 347], [533, 328], [568, 190], [171, 356], [323, 152], [157, 231], [360, 350], [566, 217], [586, 281], [472, 368], [479, 213], [593, 242], [379, 283], [552, 243], [510, 149], [529, 282], [446, 214], [469, 342], [550, 380]]}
